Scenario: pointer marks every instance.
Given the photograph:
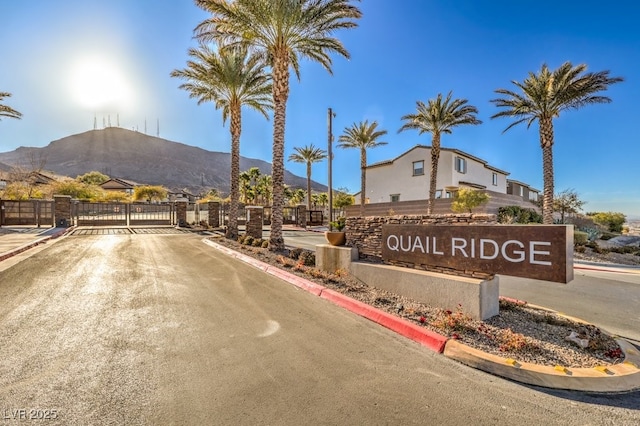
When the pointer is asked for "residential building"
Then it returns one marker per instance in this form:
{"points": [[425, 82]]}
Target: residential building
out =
{"points": [[523, 190], [406, 177], [115, 184]]}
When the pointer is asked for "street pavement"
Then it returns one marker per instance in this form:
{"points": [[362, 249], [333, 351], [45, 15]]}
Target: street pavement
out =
{"points": [[162, 329]]}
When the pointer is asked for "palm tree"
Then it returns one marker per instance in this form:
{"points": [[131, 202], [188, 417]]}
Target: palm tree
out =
{"points": [[264, 189], [7, 111], [230, 79], [544, 96], [438, 117], [309, 155], [284, 31], [362, 136], [245, 188]]}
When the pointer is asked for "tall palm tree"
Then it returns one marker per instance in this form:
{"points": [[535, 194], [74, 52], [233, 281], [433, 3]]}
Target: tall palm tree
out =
{"points": [[308, 154], [7, 111], [284, 31], [362, 136], [438, 116], [230, 79], [544, 96]]}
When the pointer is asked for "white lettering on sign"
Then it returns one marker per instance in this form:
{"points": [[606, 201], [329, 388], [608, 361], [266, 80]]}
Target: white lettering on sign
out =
{"points": [[408, 243], [513, 251]]}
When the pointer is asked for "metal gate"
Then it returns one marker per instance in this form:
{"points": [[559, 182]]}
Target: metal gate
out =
{"points": [[26, 212], [122, 214]]}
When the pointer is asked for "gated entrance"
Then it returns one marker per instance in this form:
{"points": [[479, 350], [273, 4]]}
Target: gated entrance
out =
{"points": [[26, 212], [122, 214]]}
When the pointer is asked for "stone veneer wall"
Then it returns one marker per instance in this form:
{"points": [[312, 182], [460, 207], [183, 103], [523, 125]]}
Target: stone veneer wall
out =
{"points": [[254, 224], [214, 214], [62, 210], [181, 212], [365, 233]]}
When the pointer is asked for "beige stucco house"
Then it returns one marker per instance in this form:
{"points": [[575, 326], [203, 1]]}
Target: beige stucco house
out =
{"points": [[406, 177]]}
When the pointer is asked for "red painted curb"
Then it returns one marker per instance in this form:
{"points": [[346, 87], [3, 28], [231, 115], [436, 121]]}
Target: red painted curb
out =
{"points": [[297, 281], [405, 328]]}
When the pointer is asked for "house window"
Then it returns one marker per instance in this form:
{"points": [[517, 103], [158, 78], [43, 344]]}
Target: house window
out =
{"points": [[439, 193], [494, 178], [418, 168], [395, 198], [461, 165], [522, 191], [448, 194]]}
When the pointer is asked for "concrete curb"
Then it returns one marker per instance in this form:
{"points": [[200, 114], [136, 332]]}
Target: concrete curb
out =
{"points": [[32, 244], [405, 328], [621, 377]]}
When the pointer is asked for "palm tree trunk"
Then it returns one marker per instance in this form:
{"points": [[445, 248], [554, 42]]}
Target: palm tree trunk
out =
{"points": [[435, 157], [546, 143], [280, 75], [236, 129], [363, 180], [309, 185]]}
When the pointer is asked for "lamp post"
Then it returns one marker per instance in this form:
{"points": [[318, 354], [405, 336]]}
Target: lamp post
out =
{"points": [[330, 115]]}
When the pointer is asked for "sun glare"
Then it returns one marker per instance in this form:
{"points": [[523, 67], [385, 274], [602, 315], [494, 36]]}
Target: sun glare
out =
{"points": [[98, 85]]}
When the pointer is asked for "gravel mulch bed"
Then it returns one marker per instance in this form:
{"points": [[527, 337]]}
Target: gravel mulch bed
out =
{"points": [[520, 332]]}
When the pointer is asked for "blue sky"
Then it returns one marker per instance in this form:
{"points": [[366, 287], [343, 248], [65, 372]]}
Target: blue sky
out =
{"points": [[57, 53]]}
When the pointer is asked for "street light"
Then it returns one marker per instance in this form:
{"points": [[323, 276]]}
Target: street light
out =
{"points": [[330, 115]]}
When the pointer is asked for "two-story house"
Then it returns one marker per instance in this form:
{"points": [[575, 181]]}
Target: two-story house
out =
{"points": [[406, 177], [523, 190]]}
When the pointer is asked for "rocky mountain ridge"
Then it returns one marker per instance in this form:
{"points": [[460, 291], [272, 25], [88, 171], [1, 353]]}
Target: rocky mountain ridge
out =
{"points": [[135, 156]]}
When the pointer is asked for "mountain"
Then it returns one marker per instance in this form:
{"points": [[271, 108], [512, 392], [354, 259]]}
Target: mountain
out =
{"points": [[134, 156]]}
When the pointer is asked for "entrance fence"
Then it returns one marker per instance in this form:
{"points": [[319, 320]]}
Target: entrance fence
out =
{"points": [[122, 214], [26, 212]]}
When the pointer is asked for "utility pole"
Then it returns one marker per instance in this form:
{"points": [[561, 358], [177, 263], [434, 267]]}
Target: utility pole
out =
{"points": [[330, 115]]}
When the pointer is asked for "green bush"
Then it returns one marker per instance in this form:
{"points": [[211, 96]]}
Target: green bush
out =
{"points": [[580, 238], [517, 214]]}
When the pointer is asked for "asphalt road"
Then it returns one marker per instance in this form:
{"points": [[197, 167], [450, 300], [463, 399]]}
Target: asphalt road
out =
{"points": [[163, 329]]}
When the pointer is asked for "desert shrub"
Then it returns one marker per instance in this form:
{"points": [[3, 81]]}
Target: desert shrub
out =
{"points": [[307, 258], [625, 250], [295, 253], [580, 238], [607, 235], [257, 242], [248, 240], [240, 239], [580, 249], [613, 221], [510, 304], [596, 248], [265, 244], [517, 214]]}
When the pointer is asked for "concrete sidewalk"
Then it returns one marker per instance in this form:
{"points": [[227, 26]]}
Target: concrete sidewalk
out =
{"points": [[15, 240]]}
